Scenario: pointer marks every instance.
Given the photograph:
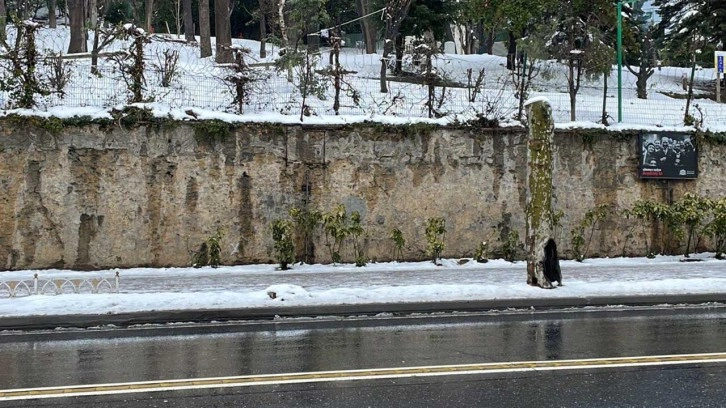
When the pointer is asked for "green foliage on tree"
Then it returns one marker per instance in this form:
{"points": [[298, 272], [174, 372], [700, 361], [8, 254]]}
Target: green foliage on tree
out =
{"points": [[435, 236], [399, 243], [209, 252], [578, 35], [691, 211], [511, 246], [587, 226], [335, 228], [357, 233], [688, 26], [284, 245], [716, 228], [305, 221]]}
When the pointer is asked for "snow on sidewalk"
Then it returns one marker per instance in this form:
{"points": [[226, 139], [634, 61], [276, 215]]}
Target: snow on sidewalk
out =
{"points": [[247, 286]]}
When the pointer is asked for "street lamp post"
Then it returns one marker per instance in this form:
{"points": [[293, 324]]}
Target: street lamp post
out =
{"points": [[620, 58]]}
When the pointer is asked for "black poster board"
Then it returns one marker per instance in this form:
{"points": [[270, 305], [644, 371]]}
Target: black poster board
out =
{"points": [[667, 155]]}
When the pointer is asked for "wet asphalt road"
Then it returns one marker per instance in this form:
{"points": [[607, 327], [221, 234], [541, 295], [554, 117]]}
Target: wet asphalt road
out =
{"points": [[309, 345]]}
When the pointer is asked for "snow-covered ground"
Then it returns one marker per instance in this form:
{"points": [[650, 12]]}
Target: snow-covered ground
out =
{"points": [[200, 91], [235, 287]]}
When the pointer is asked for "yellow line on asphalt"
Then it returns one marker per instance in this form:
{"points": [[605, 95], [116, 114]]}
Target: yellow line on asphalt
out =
{"points": [[352, 375]]}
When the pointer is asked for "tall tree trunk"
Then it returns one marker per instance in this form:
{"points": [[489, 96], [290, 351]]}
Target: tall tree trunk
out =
{"points": [[188, 21], [94, 51], [490, 42], [604, 119], [387, 48], [92, 14], [283, 35], [148, 14], [538, 210], [76, 14], [512, 52], [395, 12], [3, 20], [571, 89], [263, 29], [52, 22], [205, 35], [367, 26], [399, 55], [222, 31]]}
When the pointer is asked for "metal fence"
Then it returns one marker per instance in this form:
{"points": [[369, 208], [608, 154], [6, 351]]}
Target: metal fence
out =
{"points": [[58, 286], [199, 83]]}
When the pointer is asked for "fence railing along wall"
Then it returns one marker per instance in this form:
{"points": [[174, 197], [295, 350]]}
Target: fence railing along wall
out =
{"points": [[466, 86], [58, 286]]}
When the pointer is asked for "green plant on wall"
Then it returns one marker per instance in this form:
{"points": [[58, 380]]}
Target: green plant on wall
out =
{"points": [[691, 211], [716, 229], [356, 232], [481, 254], [510, 246], [304, 223], [335, 230], [398, 243], [435, 236], [588, 225], [284, 245], [211, 131], [209, 252], [215, 248], [648, 212]]}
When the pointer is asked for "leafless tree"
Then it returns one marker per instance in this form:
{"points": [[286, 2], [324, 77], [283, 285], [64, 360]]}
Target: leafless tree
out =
{"points": [[148, 14], [52, 9], [223, 31], [77, 14], [205, 32], [3, 19], [265, 8], [188, 21], [395, 12], [367, 25]]}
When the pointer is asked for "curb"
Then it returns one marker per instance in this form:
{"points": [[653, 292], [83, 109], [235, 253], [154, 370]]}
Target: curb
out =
{"points": [[49, 322]]}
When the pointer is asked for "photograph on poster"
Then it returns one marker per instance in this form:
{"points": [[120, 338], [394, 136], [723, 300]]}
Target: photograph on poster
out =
{"points": [[668, 155]]}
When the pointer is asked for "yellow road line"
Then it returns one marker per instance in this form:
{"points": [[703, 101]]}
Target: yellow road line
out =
{"points": [[352, 375]]}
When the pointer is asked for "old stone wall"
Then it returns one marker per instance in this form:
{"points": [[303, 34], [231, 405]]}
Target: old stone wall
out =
{"points": [[93, 197]]}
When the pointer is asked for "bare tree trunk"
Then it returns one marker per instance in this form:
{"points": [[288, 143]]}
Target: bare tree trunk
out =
{"points": [[94, 51], [387, 48], [205, 35], [92, 14], [395, 12], [148, 14], [539, 190], [76, 14], [3, 20], [283, 34], [52, 23], [574, 73], [605, 99], [689, 97], [281, 22], [222, 31], [263, 30], [367, 26], [188, 21], [490, 42], [512, 52]]}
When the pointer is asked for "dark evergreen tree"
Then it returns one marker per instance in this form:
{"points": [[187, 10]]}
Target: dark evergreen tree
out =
{"points": [[689, 29], [640, 54]]}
